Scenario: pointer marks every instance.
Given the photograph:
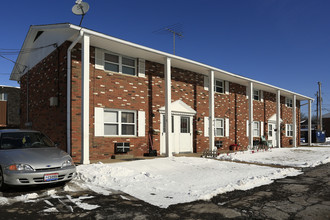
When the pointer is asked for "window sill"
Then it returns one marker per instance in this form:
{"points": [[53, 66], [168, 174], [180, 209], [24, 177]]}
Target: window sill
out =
{"points": [[122, 74]]}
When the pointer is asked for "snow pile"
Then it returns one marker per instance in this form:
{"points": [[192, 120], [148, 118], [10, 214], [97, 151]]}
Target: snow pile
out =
{"points": [[294, 157], [168, 181]]}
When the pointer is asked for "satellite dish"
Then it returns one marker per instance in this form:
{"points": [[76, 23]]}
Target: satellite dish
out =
{"points": [[80, 8]]}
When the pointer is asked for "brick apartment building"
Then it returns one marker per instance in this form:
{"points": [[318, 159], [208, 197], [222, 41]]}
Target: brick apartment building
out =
{"points": [[97, 95], [9, 106]]}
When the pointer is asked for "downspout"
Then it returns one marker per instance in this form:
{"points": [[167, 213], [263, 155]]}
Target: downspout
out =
{"points": [[68, 92]]}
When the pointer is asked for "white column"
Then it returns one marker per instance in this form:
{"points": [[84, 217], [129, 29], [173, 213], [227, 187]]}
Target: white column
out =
{"points": [[309, 122], [211, 109], [278, 118], [294, 121], [250, 114], [85, 99], [168, 113]]}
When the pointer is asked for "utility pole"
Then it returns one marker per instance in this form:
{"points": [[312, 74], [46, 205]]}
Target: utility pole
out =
{"points": [[320, 103], [317, 111]]}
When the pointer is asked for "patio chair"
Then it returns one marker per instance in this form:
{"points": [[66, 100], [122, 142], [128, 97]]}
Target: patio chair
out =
{"points": [[264, 144]]}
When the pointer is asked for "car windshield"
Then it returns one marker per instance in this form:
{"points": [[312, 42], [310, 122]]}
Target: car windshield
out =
{"points": [[20, 140]]}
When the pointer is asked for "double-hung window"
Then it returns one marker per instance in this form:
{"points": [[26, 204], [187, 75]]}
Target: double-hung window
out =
{"points": [[219, 127], [288, 102], [256, 95], [3, 97], [119, 123], [120, 64], [289, 130], [219, 86], [256, 129]]}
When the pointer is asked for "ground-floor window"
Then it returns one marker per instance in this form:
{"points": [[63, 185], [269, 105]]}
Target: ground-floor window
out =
{"points": [[119, 122], [219, 127], [256, 129], [289, 130]]}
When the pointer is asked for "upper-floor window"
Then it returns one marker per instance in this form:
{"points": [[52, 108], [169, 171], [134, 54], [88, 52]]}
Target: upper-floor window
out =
{"points": [[119, 122], [219, 86], [256, 95], [288, 102], [120, 64], [3, 97]]}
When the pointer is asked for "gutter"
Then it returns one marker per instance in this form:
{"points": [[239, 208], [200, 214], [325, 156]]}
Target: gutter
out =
{"points": [[68, 92], [174, 57]]}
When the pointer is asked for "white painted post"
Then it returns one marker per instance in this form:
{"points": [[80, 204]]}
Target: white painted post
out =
{"points": [[85, 99], [278, 118], [250, 86], [211, 109], [168, 113], [309, 122], [294, 121]]}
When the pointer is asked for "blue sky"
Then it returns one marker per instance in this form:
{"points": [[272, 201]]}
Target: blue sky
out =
{"points": [[285, 43]]}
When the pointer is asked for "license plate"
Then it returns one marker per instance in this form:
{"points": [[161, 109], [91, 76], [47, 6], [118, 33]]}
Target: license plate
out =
{"points": [[51, 177]]}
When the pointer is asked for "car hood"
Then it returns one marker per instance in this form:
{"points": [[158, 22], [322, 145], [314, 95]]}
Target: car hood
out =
{"points": [[37, 158]]}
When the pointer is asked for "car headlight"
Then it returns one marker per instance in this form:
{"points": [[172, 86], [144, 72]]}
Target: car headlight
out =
{"points": [[67, 163], [20, 167]]}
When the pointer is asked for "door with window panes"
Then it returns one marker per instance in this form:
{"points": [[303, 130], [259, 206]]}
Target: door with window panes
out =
{"points": [[181, 134], [272, 134]]}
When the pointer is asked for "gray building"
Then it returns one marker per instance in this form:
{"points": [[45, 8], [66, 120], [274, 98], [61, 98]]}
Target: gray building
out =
{"points": [[9, 106]]}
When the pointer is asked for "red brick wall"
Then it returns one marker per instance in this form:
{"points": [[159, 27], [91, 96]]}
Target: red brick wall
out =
{"points": [[119, 91], [45, 80]]}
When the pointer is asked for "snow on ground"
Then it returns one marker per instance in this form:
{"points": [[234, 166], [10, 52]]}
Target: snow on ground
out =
{"points": [[294, 157], [167, 181]]}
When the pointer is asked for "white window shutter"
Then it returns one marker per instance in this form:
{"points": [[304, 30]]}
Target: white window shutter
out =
{"points": [[99, 59], [142, 68], [98, 122], [227, 87], [261, 128], [247, 92], [227, 127], [206, 83], [286, 130], [247, 128], [141, 123], [261, 95], [206, 126]]}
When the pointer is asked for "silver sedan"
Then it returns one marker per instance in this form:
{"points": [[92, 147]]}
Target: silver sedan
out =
{"points": [[29, 157]]}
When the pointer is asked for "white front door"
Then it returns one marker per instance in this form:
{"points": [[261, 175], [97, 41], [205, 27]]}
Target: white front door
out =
{"points": [[181, 134], [272, 135], [186, 137]]}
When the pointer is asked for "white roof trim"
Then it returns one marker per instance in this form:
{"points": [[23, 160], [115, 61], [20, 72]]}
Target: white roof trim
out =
{"points": [[179, 107], [273, 118], [197, 65]]}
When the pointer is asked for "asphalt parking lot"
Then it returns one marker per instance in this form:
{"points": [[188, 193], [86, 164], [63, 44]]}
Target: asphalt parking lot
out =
{"points": [[306, 196]]}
